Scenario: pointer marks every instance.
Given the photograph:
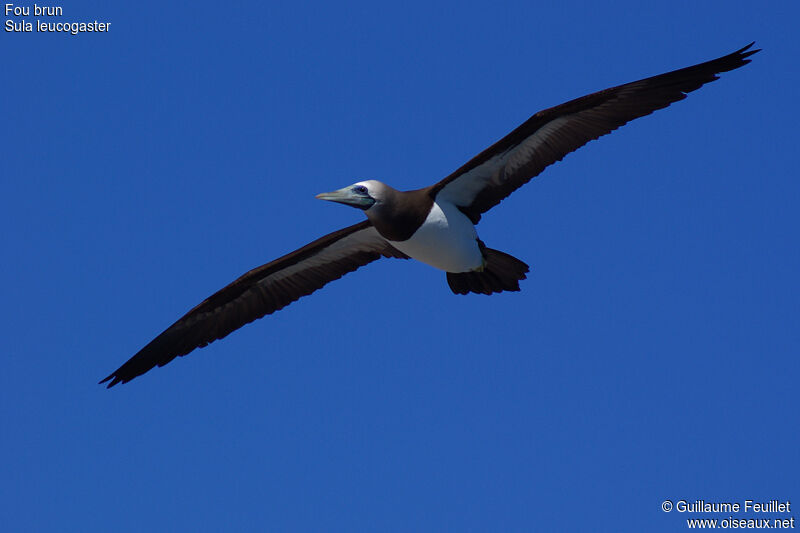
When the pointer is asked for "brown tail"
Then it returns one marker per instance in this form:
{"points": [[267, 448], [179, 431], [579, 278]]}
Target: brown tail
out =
{"points": [[501, 273]]}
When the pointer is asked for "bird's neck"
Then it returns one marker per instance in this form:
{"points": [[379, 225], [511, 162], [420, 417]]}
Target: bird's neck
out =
{"points": [[401, 214]]}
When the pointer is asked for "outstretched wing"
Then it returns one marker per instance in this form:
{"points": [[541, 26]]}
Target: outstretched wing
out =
{"points": [[260, 292], [549, 135]]}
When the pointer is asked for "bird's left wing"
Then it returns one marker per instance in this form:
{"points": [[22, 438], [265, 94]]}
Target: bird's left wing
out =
{"points": [[260, 292], [549, 135]]}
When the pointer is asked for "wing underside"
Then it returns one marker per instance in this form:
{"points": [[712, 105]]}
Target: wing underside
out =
{"points": [[260, 292], [549, 135]]}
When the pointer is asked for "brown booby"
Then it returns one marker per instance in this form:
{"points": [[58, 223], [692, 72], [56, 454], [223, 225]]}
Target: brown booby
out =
{"points": [[435, 225]]}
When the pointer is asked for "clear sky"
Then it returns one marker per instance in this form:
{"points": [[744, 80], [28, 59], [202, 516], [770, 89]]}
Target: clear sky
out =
{"points": [[652, 353]]}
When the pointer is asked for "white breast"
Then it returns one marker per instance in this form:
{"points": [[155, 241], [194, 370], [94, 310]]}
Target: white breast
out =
{"points": [[447, 240]]}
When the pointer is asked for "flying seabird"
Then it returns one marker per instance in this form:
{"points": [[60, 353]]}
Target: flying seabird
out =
{"points": [[435, 225]]}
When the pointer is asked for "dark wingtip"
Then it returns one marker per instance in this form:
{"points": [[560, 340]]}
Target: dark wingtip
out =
{"points": [[114, 382], [725, 63], [746, 52], [750, 46]]}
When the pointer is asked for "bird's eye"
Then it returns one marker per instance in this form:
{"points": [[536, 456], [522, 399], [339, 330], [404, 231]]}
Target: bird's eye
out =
{"points": [[360, 189]]}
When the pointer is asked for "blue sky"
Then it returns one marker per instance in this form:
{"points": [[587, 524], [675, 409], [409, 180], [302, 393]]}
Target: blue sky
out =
{"points": [[652, 353]]}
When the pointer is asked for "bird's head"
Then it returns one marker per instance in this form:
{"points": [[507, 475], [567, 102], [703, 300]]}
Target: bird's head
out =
{"points": [[362, 195]]}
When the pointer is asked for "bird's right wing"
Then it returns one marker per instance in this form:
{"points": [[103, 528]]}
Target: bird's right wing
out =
{"points": [[260, 292]]}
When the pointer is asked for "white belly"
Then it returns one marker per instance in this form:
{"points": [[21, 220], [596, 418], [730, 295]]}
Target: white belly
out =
{"points": [[447, 240]]}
